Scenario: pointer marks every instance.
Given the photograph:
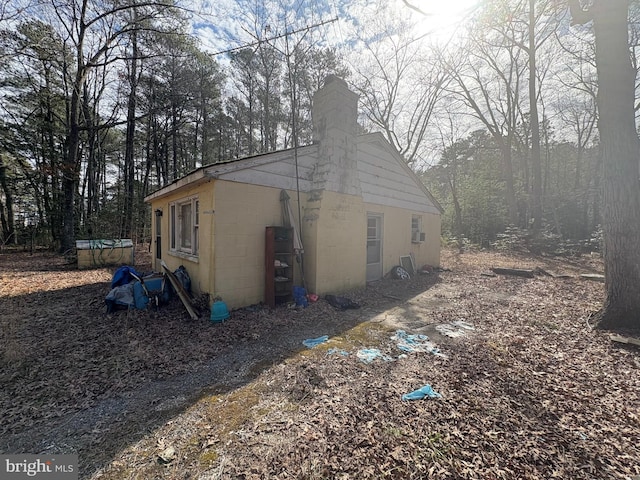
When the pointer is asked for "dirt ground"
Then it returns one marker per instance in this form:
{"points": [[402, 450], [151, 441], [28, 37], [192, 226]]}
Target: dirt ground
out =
{"points": [[531, 392]]}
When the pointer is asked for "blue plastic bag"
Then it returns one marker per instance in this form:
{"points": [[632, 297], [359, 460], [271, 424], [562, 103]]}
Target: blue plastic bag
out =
{"points": [[312, 342], [426, 391]]}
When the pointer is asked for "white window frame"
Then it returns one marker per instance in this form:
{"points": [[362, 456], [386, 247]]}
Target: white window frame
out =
{"points": [[184, 238]]}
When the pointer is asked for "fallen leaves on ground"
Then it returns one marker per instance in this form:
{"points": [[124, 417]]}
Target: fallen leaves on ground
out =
{"points": [[531, 393]]}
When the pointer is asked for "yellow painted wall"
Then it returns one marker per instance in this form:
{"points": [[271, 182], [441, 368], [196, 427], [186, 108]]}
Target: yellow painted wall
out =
{"points": [[396, 237], [233, 217], [428, 252], [339, 257], [310, 215], [198, 268], [242, 213]]}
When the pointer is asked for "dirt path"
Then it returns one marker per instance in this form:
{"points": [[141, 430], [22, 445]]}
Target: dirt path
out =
{"points": [[96, 383], [99, 431]]}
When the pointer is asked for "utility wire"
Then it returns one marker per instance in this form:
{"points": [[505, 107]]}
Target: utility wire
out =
{"points": [[282, 35], [294, 101]]}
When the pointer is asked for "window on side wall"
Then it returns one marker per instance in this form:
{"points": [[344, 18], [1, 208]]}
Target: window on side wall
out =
{"points": [[417, 234], [184, 219]]}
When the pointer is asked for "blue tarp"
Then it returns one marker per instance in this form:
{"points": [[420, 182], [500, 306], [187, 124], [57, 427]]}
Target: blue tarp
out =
{"points": [[414, 343], [120, 295], [368, 355], [426, 391], [122, 276], [312, 342], [337, 351], [127, 291]]}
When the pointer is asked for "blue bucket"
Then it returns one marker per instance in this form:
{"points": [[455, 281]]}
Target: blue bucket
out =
{"points": [[300, 296], [219, 311]]}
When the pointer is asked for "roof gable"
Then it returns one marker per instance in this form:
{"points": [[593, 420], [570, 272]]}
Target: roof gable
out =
{"points": [[274, 169], [277, 169], [385, 178]]}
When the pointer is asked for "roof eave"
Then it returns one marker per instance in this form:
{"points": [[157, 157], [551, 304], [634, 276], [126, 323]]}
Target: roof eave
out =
{"points": [[194, 178]]}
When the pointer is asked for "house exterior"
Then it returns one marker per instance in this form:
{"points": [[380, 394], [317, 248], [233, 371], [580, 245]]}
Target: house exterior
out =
{"points": [[360, 208]]}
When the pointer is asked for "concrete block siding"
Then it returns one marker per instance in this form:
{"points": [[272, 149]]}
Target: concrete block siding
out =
{"points": [[342, 178]]}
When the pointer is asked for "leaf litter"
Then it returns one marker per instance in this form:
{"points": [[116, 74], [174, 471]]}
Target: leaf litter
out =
{"points": [[530, 392]]}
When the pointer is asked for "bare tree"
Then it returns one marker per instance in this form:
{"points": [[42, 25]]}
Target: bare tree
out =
{"points": [[129, 164], [454, 156], [399, 82], [488, 78], [93, 29]]}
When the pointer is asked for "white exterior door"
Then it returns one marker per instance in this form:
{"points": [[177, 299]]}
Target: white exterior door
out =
{"points": [[374, 247]]}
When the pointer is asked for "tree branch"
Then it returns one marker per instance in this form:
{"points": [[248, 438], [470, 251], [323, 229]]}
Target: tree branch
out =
{"points": [[579, 16], [413, 7]]}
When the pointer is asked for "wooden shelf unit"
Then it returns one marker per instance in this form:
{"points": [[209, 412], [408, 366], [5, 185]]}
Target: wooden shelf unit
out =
{"points": [[278, 258]]}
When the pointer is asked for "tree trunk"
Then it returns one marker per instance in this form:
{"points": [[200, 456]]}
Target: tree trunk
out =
{"points": [[174, 137], [620, 149], [7, 221], [510, 191], [129, 161], [49, 154], [69, 170], [71, 163], [92, 140], [536, 162]]}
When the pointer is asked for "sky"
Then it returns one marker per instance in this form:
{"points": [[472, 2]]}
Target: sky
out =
{"points": [[445, 16], [228, 24], [225, 24]]}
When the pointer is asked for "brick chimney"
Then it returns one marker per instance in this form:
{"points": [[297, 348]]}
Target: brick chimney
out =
{"points": [[335, 114]]}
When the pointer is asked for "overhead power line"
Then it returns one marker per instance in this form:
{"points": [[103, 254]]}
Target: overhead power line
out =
{"points": [[282, 35]]}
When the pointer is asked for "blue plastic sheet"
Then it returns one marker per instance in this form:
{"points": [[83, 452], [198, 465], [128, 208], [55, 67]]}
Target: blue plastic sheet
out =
{"points": [[337, 351], [122, 276], [422, 392], [313, 342], [414, 343], [368, 355]]}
